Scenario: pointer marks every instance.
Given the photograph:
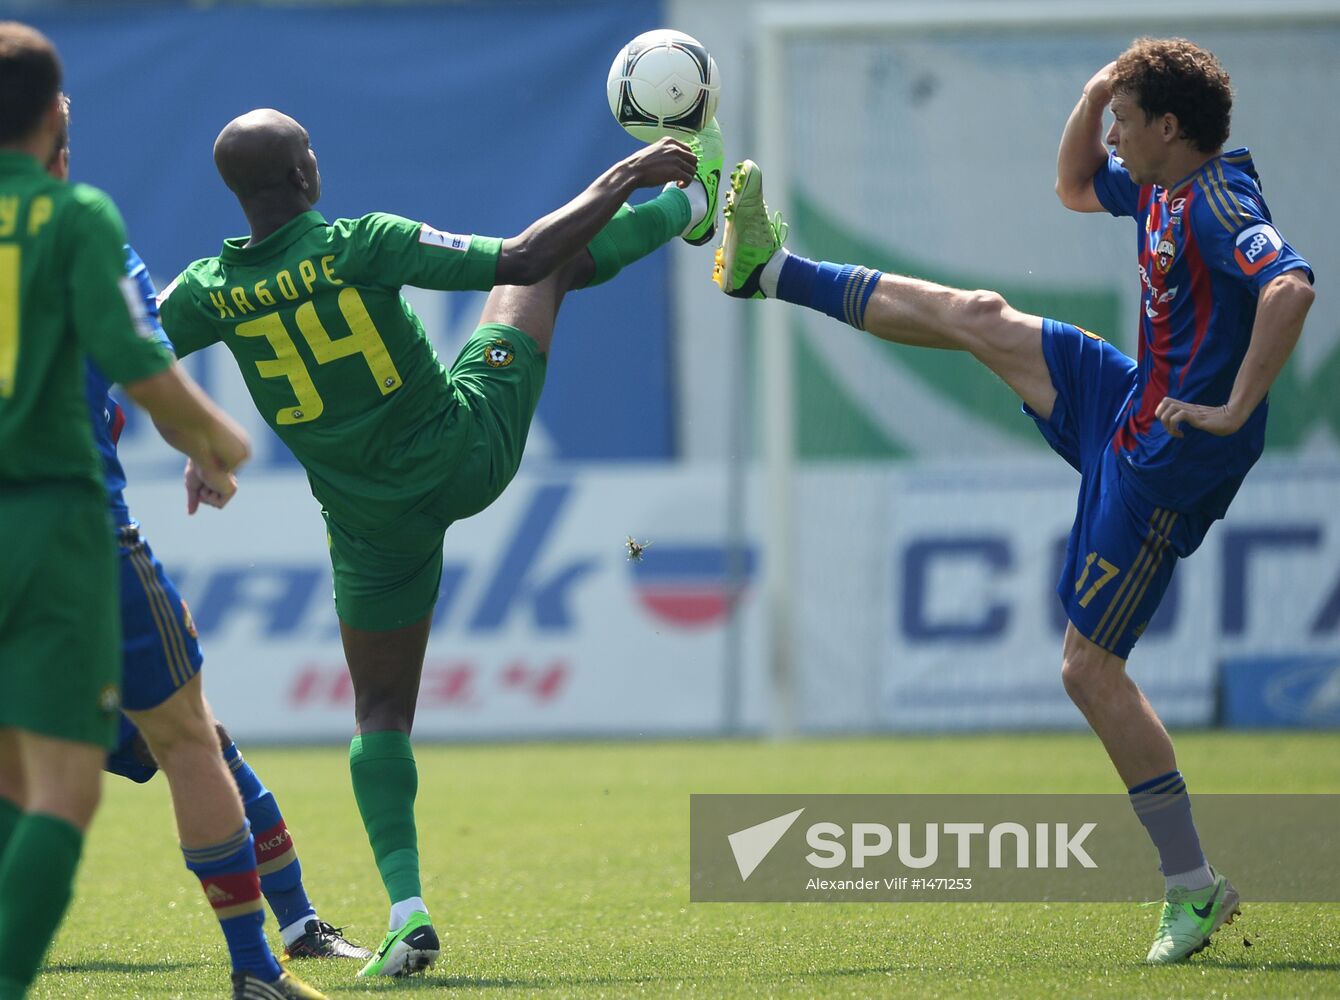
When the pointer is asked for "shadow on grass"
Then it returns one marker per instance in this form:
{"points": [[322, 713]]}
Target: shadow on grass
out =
{"points": [[566, 982], [106, 966], [1270, 966]]}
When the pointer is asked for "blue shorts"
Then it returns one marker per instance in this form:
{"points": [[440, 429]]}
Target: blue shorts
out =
{"points": [[1122, 547], [159, 650]]}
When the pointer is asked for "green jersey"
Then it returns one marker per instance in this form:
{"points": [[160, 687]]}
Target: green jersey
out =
{"points": [[334, 358], [63, 294]]}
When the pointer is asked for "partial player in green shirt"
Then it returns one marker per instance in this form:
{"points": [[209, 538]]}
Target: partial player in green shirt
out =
{"points": [[64, 295], [396, 446]]}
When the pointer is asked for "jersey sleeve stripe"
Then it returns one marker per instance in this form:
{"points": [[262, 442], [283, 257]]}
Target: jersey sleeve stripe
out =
{"points": [[1212, 201], [1222, 195], [1224, 186]]}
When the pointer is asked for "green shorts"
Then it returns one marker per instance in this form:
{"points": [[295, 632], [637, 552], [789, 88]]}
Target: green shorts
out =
{"points": [[389, 578], [60, 615]]}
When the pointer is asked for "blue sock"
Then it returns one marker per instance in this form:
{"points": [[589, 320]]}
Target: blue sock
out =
{"points": [[276, 859], [1164, 808], [840, 290], [227, 873]]}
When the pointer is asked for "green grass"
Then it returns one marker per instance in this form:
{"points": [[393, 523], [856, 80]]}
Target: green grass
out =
{"points": [[561, 871]]}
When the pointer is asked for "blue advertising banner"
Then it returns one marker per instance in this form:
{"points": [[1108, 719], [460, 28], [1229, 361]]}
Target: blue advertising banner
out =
{"points": [[473, 117]]}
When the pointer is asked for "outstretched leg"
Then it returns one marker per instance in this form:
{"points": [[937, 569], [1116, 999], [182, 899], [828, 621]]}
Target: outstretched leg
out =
{"points": [[753, 264], [633, 233]]}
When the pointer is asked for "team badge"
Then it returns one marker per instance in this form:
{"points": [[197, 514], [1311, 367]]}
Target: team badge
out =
{"points": [[109, 701], [1165, 251], [188, 621], [499, 354]]}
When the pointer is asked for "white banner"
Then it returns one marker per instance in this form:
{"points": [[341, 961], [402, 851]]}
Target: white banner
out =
{"points": [[925, 600], [544, 625], [975, 624]]}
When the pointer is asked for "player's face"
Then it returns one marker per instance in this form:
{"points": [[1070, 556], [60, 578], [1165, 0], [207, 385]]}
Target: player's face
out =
{"points": [[1135, 139]]}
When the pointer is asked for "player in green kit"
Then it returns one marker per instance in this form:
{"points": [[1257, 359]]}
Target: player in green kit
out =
{"points": [[63, 294], [397, 447]]}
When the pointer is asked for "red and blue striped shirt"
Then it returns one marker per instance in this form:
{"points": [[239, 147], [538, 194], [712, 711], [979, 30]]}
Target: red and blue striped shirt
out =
{"points": [[1206, 248]]}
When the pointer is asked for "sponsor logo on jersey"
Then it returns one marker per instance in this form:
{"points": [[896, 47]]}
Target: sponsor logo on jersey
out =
{"points": [[499, 354], [1157, 298], [1256, 247], [436, 238]]}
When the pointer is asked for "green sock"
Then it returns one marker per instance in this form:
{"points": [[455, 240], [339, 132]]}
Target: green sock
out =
{"points": [[10, 814], [36, 882], [635, 232], [385, 783]]}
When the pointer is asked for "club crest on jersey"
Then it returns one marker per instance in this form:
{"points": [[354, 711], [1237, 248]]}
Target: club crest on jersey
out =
{"points": [[188, 621], [499, 354], [1165, 252], [109, 701], [1256, 247]]}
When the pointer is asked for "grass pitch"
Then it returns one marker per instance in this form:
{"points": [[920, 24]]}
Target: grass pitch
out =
{"points": [[562, 871]]}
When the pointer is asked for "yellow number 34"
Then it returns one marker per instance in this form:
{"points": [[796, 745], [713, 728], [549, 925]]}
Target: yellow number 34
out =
{"points": [[287, 363]]}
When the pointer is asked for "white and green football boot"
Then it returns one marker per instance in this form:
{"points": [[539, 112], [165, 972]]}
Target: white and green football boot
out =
{"points": [[1190, 916], [751, 237], [711, 155], [413, 948]]}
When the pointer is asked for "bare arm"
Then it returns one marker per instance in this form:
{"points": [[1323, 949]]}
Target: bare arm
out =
{"points": [[1280, 312], [191, 422], [1082, 152], [548, 242]]}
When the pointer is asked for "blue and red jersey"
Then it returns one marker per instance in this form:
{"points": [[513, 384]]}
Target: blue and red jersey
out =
{"points": [[1206, 248], [107, 415]]}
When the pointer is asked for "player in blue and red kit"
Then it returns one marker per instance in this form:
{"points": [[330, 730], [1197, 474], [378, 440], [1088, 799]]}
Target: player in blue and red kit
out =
{"points": [[1161, 443], [160, 652], [237, 859]]}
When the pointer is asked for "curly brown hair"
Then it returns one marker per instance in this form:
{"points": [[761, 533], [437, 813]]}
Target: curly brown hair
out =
{"points": [[1175, 76]]}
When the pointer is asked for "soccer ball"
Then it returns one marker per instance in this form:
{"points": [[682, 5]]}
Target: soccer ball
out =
{"points": [[663, 83]]}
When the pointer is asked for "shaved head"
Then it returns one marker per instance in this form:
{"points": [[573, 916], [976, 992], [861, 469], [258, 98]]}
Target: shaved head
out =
{"points": [[265, 154]]}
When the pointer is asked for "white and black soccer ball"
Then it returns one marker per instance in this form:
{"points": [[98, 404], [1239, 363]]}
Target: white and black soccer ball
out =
{"points": [[663, 83]]}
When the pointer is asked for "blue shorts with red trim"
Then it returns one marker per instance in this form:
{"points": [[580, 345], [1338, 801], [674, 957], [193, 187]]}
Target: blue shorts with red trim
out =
{"points": [[159, 649], [1122, 548]]}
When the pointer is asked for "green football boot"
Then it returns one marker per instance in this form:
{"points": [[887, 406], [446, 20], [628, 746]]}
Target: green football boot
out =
{"points": [[1190, 916], [711, 152], [751, 237], [413, 948]]}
